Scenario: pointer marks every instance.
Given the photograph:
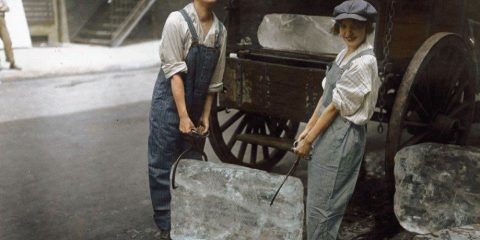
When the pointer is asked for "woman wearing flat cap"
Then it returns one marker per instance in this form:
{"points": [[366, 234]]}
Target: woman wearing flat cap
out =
{"points": [[335, 135]]}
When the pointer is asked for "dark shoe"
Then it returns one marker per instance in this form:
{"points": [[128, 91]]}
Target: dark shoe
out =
{"points": [[14, 66], [164, 234]]}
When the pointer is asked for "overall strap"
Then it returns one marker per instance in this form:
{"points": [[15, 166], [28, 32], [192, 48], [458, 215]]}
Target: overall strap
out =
{"points": [[218, 35], [344, 68], [190, 26], [359, 55]]}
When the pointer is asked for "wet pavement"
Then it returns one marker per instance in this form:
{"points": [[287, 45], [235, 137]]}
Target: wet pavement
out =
{"points": [[73, 160]]}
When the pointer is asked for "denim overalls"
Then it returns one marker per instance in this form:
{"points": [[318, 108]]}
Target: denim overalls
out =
{"points": [[335, 164], [165, 142]]}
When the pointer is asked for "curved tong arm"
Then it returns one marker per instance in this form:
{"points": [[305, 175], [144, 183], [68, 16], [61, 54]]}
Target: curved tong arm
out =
{"points": [[195, 140], [291, 171]]}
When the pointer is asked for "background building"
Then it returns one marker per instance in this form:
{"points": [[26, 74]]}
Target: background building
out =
{"points": [[102, 22]]}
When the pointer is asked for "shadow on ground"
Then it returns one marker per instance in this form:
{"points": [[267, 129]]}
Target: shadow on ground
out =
{"points": [[78, 176]]}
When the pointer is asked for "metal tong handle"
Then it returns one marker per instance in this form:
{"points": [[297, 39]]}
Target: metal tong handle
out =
{"points": [[290, 172], [194, 146]]}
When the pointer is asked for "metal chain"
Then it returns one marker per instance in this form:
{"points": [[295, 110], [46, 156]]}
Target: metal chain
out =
{"points": [[385, 67]]}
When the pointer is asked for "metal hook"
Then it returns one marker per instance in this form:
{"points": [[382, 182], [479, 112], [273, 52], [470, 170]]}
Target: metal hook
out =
{"points": [[194, 138], [290, 172]]}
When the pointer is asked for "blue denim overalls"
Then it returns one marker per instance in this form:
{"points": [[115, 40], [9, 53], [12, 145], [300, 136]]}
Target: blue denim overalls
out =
{"points": [[165, 142], [335, 164]]}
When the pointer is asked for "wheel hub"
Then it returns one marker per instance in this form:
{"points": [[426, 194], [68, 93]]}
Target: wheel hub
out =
{"points": [[445, 126]]}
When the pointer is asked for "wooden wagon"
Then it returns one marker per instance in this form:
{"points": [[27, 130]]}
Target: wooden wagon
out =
{"points": [[428, 59]]}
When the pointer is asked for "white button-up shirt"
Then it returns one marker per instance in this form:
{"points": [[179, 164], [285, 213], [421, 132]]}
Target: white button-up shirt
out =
{"points": [[177, 39], [356, 92]]}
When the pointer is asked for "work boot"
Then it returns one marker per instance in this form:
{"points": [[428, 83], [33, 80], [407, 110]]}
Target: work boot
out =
{"points": [[14, 66], [164, 234]]}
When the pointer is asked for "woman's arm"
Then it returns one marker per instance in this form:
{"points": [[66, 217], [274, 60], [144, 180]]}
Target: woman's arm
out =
{"points": [[321, 124], [174, 66], [311, 122], [204, 120], [178, 93]]}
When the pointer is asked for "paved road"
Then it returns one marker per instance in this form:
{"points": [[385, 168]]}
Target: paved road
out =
{"points": [[73, 157]]}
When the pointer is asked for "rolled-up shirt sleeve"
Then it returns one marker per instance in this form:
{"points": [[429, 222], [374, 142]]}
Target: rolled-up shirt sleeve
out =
{"points": [[216, 85], [171, 46], [353, 87]]}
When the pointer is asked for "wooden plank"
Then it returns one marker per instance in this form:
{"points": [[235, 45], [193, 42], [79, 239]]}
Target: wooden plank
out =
{"points": [[262, 140], [272, 89]]}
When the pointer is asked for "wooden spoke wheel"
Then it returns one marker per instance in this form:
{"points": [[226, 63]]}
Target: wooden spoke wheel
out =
{"points": [[435, 100], [250, 139]]}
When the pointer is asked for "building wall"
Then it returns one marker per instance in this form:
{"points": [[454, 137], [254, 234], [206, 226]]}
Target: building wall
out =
{"points": [[79, 11], [149, 28]]}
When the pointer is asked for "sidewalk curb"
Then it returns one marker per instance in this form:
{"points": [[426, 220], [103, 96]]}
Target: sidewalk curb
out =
{"points": [[17, 75]]}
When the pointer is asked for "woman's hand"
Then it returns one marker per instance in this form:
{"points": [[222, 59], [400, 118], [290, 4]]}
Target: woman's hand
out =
{"points": [[303, 134], [186, 125], [303, 148], [204, 126]]}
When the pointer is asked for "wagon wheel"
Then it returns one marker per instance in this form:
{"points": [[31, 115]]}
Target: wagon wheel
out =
{"points": [[435, 100], [250, 139]]}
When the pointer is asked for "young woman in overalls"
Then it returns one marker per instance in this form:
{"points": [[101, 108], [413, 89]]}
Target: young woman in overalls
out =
{"points": [[192, 54], [335, 135]]}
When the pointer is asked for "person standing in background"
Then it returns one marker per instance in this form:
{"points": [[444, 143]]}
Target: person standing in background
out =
{"points": [[5, 36]]}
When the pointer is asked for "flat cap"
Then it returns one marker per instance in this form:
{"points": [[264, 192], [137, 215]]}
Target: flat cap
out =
{"points": [[355, 9]]}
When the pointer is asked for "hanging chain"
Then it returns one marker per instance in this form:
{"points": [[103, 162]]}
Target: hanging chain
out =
{"points": [[385, 67], [232, 5]]}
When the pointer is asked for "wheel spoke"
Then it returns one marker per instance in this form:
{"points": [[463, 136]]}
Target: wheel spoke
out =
{"points": [[457, 72], [288, 127], [420, 105], [459, 109], [282, 126], [243, 146], [263, 130], [425, 90], [266, 155], [271, 127], [231, 120], [266, 127], [458, 92], [241, 152], [253, 154], [453, 70], [238, 130], [415, 124]]}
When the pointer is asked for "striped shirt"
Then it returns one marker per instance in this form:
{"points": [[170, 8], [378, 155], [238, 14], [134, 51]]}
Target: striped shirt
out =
{"points": [[177, 39], [356, 92]]}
